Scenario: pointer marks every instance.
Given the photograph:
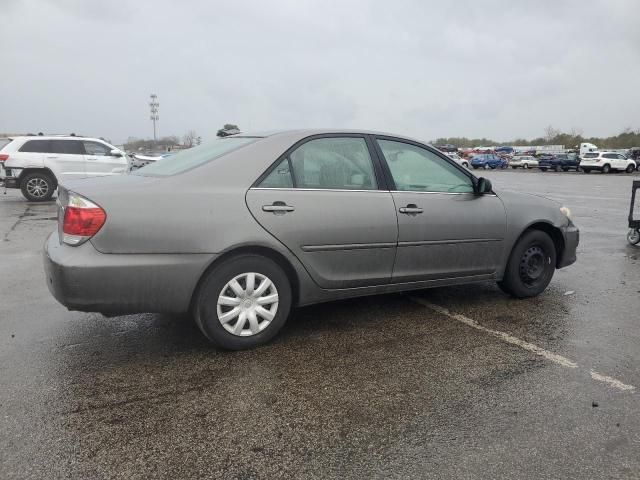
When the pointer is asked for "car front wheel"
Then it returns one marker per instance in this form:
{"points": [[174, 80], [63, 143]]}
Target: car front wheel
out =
{"points": [[630, 168], [243, 302], [531, 265], [37, 186]]}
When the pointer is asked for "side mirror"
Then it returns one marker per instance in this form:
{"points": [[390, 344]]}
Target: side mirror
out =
{"points": [[483, 186], [115, 153]]}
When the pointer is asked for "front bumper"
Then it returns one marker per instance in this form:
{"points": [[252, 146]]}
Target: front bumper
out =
{"points": [[81, 278], [571, 236]]}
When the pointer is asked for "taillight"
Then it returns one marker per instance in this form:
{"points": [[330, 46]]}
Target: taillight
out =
{"points": [[3, 157], [82, 219]]}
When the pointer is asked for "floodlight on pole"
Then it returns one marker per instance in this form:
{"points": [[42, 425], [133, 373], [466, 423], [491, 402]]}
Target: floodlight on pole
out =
{"points": [[155, 116]]}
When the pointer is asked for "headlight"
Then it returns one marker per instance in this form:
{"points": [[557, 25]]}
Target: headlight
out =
{"points": [[566, 212]]}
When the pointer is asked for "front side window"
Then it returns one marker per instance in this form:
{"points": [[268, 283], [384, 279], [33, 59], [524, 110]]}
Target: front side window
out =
{"points": [[334, 163], [418, 169], [36, 146], [95, 148]]}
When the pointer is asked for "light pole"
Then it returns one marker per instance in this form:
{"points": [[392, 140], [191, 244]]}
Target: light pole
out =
{"points": [[154, 106]]}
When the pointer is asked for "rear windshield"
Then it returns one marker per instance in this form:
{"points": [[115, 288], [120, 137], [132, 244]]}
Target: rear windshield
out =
{"points": [[590, 155], [193, 157]]}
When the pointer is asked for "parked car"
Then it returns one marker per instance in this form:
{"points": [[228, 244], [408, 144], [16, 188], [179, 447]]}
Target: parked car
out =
{"points": [[241, 229], [458, 159], [487, 160], [634, 154], [139, 160], [37, 164], [606, 162], [559, 161], [523, 161]]}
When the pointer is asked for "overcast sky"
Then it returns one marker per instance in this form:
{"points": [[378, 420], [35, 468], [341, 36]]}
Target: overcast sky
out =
{"points": [[500, 69]]}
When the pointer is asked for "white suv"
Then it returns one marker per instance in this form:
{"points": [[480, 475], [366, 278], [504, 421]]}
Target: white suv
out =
{"points": [[35, 164], [606, 162]]}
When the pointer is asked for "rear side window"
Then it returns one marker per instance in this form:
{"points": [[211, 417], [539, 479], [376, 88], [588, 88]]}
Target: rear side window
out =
{"points": [[70, 147], [340, 163], [590, 155], [609, 155], [36, 146], [334, 163], [280, 177]]}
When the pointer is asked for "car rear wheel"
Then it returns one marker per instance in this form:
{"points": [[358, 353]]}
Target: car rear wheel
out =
{"points": [[544, 169], [630, 168], [531, 265], [586, 170], [565, 169], [633, 236], [37, 186], [465, 164], [243, 302], [606, 169]]}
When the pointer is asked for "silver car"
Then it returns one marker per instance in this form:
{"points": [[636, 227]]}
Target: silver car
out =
{"points": [[241, 229]]}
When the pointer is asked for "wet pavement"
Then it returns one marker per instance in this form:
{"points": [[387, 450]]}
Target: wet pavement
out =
{"points": [[458, 382]]}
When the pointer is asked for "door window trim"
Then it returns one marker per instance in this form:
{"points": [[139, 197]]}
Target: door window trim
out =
{"points": [[382, 185], [389, 177]]}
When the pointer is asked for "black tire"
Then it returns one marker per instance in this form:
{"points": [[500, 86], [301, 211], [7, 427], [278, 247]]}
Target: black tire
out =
{"points": [[205, 311], [544, 169], [586, 170], [565, 169], [475, 167], [514, 167], [531, 265], [556, 169], [630, 168], [606, 168], [38, 186]]}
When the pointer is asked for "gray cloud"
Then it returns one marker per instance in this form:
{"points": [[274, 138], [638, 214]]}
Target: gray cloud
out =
{"points": [[499, 69]]}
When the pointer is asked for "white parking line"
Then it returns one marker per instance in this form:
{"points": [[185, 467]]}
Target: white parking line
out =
{"points": [[554, 357]]}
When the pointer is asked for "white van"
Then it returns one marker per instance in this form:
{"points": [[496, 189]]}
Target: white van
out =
{"points": [[36, 164]]}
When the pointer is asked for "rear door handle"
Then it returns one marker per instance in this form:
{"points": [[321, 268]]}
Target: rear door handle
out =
{"points": [[412, 208], [278, 207]]}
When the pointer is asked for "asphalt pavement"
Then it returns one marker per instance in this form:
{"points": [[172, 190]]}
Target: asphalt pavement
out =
{"points": [[461, 382]]}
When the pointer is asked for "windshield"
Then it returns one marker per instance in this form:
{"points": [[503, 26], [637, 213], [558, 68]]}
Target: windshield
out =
{"points": [[193, 157]]}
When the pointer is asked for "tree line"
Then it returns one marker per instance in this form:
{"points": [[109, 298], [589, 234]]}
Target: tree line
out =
{"points": [[626, 139]]}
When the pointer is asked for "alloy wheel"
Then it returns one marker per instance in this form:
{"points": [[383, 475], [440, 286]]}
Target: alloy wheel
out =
{"points": [[37, 187], [247, 304]]}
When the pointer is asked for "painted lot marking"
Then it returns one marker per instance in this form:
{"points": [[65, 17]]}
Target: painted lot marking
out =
{"points": [[505, 337]]}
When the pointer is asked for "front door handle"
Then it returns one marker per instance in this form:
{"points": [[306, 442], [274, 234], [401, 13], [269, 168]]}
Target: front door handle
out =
{"points": [[412, 208], [278, 207]]}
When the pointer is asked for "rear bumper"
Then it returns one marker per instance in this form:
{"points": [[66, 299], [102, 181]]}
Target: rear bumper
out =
{"points": [[81, 278], [571, 236]]}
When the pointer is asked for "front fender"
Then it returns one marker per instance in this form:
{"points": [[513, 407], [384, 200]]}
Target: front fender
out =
{"points": [[524, 211]]}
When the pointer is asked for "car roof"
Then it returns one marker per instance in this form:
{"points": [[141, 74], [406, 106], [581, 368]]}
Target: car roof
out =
{"points": [[55, 137], [303, 133]]}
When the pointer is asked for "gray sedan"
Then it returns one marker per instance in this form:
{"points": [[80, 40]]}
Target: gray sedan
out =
{"points": [[241, 229]]}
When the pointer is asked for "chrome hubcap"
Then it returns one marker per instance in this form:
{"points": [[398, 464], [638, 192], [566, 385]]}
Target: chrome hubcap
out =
{"points": [[247, 304], [37, 187]]}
